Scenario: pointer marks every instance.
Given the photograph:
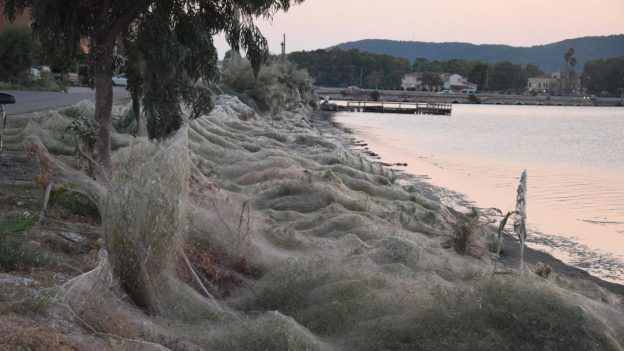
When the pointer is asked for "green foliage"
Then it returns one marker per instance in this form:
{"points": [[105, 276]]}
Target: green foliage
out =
{"points": [[432, 81], [507, 77], [570, 58], [16, 253], [174, 61], [27, 83], [532, 70], [479, 75], [338, 68], [501, 76], [459, 66], [548, 57], [20, 50], [17, 53], [278, 86], [16, 225], [75, 202], [172, 54], [85, 128], [32, 302], [605, 76]]}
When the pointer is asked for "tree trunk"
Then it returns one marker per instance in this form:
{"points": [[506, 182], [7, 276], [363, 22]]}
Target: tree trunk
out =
{"points": [[103, 74]]}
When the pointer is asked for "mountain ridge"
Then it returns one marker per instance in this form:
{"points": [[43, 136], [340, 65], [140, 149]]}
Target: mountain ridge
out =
{"points": [[549, 57]]}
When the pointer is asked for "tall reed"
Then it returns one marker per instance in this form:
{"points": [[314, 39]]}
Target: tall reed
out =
{"points": [[520, 220]]}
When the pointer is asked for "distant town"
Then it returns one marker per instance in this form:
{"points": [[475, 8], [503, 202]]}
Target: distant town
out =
{"points": [[601, 77], [557, 83]]}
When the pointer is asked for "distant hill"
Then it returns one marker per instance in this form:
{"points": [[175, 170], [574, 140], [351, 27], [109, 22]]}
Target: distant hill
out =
{"points": [[548, 57]]}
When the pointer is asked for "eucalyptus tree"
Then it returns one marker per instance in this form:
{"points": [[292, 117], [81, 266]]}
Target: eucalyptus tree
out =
{"points": [[170, 49]]}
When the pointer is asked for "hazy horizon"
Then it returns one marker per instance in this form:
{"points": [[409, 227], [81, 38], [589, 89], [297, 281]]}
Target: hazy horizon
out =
{"points": [[319, 24]]}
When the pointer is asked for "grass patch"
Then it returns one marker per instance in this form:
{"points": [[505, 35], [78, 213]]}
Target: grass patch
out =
{"points": [[73, 202], [17, 254], [16, 225], [32, 302], [35, 85]]}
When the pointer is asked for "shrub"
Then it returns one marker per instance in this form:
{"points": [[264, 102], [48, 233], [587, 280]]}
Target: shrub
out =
{"points": [[142, 214], [32, 302], [16, 254], [17, 52], [543, 270], [85, 130], [77, 203], [464, 230], [278, 86]]}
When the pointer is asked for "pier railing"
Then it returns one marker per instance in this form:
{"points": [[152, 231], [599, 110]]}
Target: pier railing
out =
{"points": [[429, 107]]}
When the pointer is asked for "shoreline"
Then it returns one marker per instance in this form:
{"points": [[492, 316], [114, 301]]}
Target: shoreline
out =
{"points": [[509, 257], [302, 242], [479, 98]]}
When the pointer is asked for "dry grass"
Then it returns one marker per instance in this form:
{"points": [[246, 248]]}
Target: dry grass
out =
{"points": [[19, 333]]}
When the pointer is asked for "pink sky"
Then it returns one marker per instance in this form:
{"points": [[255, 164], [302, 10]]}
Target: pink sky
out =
{"points": [[323, 23]]}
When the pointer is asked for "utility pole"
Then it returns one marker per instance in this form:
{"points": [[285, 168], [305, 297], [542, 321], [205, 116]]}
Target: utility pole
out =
{"points": [[284, 50]]}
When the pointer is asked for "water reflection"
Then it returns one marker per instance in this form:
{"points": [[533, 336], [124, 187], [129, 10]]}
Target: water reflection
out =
{"points": [[574, 157]]}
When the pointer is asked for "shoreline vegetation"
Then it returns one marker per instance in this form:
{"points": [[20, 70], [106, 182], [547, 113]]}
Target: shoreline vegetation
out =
{"points": [[248, 229], [324, 121]]}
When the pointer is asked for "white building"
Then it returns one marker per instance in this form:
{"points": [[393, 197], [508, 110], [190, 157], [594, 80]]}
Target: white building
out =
{"points": [[541, 84], [450, 81], [556, 84], [412, 81], [457, 83]]}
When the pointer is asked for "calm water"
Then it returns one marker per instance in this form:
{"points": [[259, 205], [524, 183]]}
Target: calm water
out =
{"points": [[574, 157]]}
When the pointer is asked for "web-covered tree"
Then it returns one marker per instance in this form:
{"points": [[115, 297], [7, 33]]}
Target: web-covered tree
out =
{"points": [[170, 45]]}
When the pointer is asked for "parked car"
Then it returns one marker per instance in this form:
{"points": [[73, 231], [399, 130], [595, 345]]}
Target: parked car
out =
{"points": [[72, 78], [35, 74], [445, 91], [120, 80], [43, 69]]}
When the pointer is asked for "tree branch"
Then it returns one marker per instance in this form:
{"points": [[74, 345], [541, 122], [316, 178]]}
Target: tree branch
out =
{"points": [[124, 20]]}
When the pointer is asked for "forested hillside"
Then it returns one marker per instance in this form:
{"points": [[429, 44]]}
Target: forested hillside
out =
{"points": [[548, 57]]}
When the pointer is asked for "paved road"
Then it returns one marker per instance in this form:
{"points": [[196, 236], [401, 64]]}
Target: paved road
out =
{"points": [[31, 101]]}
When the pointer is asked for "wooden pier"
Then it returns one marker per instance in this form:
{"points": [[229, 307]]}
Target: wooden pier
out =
{"points": [[411, 108]]}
